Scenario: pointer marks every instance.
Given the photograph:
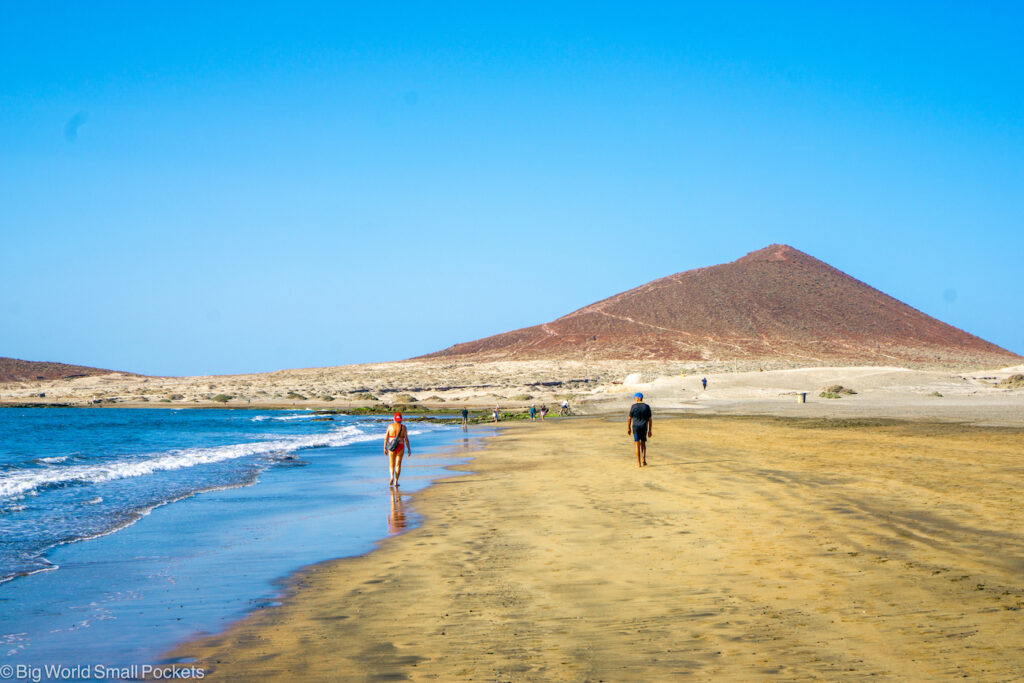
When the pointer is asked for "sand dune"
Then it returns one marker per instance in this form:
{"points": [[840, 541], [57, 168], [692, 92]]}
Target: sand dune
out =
{"points": [[592, 387]]}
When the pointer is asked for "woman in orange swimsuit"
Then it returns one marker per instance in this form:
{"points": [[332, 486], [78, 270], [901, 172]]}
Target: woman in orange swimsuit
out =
{"points": [[396, 444]]}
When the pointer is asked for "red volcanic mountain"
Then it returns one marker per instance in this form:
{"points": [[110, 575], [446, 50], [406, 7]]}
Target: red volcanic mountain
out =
{"points": [[776, 304], [14, 370]]}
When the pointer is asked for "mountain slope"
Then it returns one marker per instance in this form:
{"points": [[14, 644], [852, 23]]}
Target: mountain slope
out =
{"points": [[774, 304], [15, 370]]}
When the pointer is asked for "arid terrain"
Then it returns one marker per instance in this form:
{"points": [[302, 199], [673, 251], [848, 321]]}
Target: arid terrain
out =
{"points": [[774, 308], [984, 395], [17, 370], [764, 328]]}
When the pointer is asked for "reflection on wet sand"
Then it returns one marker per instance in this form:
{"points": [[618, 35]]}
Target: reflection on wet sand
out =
{"points": [[396, 516]]}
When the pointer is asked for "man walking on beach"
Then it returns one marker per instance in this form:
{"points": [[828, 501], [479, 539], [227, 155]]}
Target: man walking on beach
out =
{"points": [[641, 425], [465, 419], [396, 444], [704, 383]]}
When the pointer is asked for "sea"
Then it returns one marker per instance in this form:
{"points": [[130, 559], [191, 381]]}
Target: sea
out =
{"points": [[124, 532]]}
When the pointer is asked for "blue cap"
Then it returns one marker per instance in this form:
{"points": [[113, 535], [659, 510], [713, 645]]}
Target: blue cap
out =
{"points": [[638, 395]]}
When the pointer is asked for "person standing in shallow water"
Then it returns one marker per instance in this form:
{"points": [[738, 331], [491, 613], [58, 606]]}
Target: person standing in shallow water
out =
{"points": [[641, 425], [396, 445]]}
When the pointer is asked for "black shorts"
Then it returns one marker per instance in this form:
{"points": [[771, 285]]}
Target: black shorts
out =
{"points": [[640, 434]]}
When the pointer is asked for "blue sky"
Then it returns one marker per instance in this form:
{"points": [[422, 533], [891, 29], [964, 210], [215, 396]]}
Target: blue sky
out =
{"points": [[194, 188]]}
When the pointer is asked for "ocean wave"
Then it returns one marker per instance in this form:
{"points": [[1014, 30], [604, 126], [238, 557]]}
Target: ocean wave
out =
{"points": [[46, 566], [29, 481], [53, 460], [283, 418]]}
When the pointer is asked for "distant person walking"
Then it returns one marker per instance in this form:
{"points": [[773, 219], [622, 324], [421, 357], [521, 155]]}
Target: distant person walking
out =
{"points": [[396, 444], [495, 412], [565, 407], [704, 383], [533, 412], [641, 425], [465, 419], [543, 411]]}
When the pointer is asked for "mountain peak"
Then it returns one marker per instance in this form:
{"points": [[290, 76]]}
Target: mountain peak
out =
{"points": [[806, 313], [777, 252]]}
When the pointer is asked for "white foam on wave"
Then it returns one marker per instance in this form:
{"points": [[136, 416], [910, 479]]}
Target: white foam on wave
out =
{"points": [[48, 567], [27, 481], [282, 418], [53, 460]]}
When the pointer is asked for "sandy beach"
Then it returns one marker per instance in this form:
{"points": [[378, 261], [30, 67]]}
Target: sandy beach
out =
{"points": [[243, 245], [750, 548]]}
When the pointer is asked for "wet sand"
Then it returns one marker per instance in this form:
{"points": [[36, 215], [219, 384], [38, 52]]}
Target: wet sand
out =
{"points": [[750, 548]]}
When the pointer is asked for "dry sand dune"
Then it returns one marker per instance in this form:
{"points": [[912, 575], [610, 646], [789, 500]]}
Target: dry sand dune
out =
{"points": [[592, 386], [976, 396]]}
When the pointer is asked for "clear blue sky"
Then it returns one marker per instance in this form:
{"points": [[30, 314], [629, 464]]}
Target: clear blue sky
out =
{"points": [[188, 188]]}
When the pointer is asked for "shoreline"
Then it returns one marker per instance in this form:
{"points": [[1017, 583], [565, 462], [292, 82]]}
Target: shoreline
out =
{"points": [[495, 588], [193, 567], [997, 411], [296, 580], [299, 581]]}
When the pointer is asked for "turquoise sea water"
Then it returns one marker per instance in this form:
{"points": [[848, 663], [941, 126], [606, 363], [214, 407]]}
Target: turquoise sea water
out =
{"points": [[123, 532]]}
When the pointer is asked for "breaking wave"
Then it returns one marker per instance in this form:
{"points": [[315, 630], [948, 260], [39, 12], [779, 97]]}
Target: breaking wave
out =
{"points": [[21, 482]]}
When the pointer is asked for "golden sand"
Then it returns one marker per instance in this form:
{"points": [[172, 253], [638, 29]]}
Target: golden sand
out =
{"points": [[750, 548]]}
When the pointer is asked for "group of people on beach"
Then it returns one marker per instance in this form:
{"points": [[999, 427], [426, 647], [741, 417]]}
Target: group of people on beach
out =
{"points": [[639, 424], [534, 411]]}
